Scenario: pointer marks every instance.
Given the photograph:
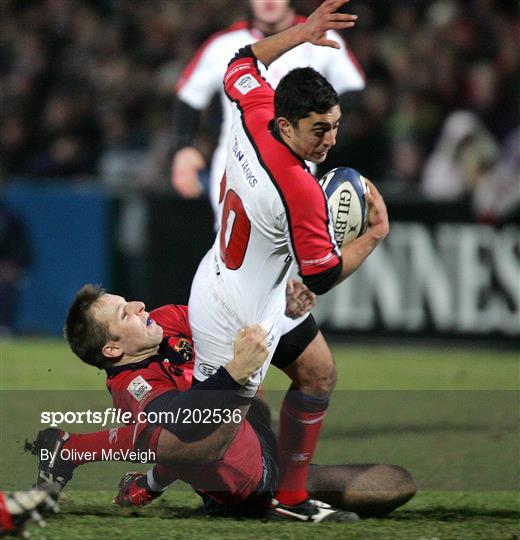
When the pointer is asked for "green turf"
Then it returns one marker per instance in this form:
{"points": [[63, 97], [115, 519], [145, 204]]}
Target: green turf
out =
{"points": [[48, 364], [431, 515], [448, 415]]}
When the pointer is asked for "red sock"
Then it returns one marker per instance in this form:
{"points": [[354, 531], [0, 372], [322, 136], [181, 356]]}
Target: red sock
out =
{"points": [[300, 424], [100, 445]]}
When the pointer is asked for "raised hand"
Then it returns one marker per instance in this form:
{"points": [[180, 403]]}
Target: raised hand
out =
{"points": [[325, 18], [313, 30]]}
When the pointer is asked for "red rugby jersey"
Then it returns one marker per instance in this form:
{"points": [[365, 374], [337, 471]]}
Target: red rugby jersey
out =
{"points": [[133, 386]]}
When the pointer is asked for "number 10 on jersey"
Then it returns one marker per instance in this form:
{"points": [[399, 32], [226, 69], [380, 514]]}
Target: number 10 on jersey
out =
{"points": [[235, 228]]}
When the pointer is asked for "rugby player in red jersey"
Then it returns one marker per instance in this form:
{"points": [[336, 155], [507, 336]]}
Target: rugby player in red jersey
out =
{"points": [[149, 360]]}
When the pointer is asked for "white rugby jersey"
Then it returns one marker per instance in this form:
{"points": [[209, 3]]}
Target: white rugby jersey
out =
{"points": [[202, 78], [272, 208]]}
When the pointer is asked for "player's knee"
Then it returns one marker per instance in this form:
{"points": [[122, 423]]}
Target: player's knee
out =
{"points": [[397, 488], [405, 486], [323, 380], [315, 378], [314, 371], [399, 480], [327, 380]]}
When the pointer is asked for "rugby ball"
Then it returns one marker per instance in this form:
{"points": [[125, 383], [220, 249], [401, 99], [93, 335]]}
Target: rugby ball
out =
{"points": [[345, 190]]}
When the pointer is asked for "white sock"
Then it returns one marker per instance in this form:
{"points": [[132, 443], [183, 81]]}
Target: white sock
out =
{"points": [[152, 484]]}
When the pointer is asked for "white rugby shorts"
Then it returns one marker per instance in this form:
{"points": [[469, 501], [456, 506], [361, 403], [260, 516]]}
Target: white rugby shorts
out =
{"points": [[215, 324]]}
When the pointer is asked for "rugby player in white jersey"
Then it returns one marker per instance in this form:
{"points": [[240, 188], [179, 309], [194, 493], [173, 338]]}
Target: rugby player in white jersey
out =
{"points": [[202, 79], [273, 212]]}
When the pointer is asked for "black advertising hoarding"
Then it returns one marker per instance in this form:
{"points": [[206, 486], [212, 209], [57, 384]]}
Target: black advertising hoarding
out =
{"points": [[437, 279], [436, 275]]}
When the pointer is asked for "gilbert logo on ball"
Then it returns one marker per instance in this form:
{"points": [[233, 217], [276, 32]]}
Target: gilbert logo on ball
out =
{"points": [[345, 190]]}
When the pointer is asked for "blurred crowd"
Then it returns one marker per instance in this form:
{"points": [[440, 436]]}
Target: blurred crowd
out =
{"points": [[86, 91], [441, 108]]}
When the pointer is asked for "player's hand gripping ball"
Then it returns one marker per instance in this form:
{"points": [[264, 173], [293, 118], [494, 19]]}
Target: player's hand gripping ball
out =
{"points": [[345, 189]]}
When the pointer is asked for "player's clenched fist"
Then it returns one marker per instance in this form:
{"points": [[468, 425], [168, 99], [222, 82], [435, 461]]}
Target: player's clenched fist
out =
{"points": [[250, 352]]}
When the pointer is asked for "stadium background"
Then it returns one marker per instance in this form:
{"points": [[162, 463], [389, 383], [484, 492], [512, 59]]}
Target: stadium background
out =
{"points": [[85, 147], [86, 139]]}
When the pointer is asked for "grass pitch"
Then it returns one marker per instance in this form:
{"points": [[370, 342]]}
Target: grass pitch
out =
{"points": [[449, 415]]}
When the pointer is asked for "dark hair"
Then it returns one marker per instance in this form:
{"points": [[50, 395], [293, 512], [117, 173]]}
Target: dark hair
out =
{"points": [[301, 92], [85, 335]]}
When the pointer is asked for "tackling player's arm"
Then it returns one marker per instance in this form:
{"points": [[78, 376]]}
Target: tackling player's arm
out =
{"points": [[215, 393]]}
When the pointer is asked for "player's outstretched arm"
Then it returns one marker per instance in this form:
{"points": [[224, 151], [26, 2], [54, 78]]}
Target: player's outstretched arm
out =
{"points": [[313, 30], [192, 441]]}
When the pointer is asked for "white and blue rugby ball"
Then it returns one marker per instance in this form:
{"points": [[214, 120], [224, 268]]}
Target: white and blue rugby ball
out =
{"points": [[345, 189]]}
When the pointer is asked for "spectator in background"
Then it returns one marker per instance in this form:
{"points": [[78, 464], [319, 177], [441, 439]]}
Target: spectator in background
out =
{"points": [[202, 79], [464, 155], [68, 137], [365, 143], [14, 144], [404, 172], [95, 60], [14, 261], [498, 197]]}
